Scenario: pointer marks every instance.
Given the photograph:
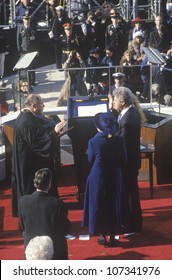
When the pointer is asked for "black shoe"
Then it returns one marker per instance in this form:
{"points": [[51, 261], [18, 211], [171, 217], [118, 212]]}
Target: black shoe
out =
{"points": [[102, 241], [112, 241]]}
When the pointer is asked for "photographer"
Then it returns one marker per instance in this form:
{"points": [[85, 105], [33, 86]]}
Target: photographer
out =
{"points": [[74, 84]]}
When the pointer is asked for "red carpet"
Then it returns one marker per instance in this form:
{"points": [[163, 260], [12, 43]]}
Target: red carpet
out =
{"points": [[155, 243]]}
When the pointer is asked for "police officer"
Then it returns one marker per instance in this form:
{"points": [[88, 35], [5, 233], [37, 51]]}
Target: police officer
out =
{"points": [[115, 37]]}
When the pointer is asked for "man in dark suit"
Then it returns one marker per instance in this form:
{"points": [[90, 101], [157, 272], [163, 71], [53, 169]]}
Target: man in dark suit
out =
{"points": [[160, 37], [41, 214], [129, 120]]}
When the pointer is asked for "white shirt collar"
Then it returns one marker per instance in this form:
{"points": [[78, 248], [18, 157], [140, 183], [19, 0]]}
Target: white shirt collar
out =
{"points": [[124, 111]]}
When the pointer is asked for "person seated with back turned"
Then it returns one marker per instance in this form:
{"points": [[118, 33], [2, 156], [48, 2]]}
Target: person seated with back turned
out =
{"points": [[39, 248], [42, 214]]}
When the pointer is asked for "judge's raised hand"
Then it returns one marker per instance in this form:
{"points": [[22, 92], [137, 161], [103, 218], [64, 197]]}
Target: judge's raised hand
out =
{"points": [[58, 128]]}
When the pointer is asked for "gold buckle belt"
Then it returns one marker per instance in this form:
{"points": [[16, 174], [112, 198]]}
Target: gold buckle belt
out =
{"points": [[67, 52]]}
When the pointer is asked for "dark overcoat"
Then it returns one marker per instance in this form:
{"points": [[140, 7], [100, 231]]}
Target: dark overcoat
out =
{"points": [[41, 214], [102, 205], [33, 148], [129, 129]]}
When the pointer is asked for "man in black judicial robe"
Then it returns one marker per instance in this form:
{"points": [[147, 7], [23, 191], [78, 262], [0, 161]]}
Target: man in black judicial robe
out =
{"points": [[33, 148]]}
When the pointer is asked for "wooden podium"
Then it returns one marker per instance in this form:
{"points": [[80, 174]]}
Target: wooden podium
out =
{"points": [[158, 131]]}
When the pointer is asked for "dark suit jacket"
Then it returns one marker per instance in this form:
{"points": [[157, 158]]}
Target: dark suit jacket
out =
{"points": [[129, 128], [160, 43], [41, 214]]}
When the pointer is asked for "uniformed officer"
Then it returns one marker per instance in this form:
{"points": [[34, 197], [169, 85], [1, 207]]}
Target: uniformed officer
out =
{"points": [[115, 37], [26, 37], [26, 42], [69, 42]]}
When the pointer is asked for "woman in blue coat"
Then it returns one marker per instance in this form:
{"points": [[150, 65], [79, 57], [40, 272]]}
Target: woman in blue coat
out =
{"points": [[102, 205]]}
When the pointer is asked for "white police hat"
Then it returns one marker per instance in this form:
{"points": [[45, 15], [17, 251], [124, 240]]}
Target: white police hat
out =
{"points": [[59, 8], [118, 75]]}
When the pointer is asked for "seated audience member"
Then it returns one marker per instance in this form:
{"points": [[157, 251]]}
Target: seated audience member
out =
{"points": [[135, 47], [102, 204], [126, 59], [119, 81], [39, 248], [74, 83], [20, 93], [109, 58], [126, 63], [42, 214]]}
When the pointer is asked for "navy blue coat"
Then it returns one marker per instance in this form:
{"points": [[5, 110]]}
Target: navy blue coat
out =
{"points": [[102, 205]]}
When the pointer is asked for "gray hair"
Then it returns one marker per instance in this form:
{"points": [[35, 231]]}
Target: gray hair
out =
{"points": [[39, 248], [124, 94], [32, 99]]}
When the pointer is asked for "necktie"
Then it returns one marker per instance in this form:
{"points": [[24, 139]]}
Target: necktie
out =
{"points": [[119, 117]]}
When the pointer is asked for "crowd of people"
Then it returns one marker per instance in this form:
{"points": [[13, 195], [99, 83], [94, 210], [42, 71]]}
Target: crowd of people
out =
{"points": [[100, 41], [102, 38]]}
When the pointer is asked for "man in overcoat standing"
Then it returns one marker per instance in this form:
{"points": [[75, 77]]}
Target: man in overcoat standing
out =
{"points": [[129, 121]]}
